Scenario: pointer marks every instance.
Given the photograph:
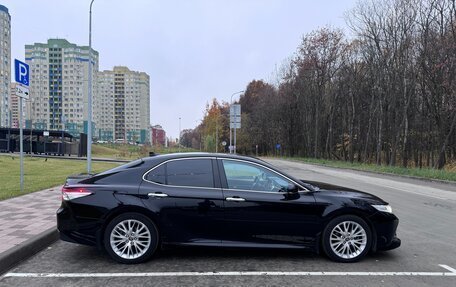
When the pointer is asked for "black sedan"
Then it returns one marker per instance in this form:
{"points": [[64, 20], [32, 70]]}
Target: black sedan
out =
{"points": [[202, 199]]}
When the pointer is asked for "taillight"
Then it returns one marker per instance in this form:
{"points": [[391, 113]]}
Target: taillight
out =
{"points": [[69, 193]]}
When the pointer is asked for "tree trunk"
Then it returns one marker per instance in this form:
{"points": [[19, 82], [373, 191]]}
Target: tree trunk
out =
{"points": [[441, 161], [379, 138], [351, 128], [404, 147]]}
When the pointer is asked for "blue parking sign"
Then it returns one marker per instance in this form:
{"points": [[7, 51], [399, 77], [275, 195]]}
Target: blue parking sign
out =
{"points": [[21, 72]]}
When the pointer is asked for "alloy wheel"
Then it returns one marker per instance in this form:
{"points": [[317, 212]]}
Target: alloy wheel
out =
{"points": [[348, 239], [130, 239]]}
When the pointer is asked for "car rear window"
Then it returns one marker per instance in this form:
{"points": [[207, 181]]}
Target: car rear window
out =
{"points": [[158, 174], [132, 164], [185, 172]]}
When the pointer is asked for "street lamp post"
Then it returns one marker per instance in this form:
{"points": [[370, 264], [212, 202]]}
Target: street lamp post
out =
{"points": [[231, 103], [179, 139], [216, 135], [31, 101], [199, 132], [89, 110]]}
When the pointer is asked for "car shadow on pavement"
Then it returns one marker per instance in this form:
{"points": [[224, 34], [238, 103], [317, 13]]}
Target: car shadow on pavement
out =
{"points": [[220, 255]]}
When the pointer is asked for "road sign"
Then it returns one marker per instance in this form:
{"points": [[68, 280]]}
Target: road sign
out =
{"points": [[235, 125], [235, 116], [223, 143], [22, 92], [235, 109], [46, 133], [22, 72], [235, 121]]}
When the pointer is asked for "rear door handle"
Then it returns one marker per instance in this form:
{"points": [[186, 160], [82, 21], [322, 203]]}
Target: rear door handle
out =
{"points": [[157, 194], [239, 199]]}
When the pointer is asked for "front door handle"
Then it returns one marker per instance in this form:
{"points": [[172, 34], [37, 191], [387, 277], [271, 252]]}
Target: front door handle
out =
{"points": [[238, 199], [157, 194]]}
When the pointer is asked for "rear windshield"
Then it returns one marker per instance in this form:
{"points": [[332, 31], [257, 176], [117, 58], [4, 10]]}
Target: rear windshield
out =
{"points": [[130, 164]]}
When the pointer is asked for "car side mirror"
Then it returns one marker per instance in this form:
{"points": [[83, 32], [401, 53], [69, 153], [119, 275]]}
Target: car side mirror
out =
{"points": [[292, 188]]}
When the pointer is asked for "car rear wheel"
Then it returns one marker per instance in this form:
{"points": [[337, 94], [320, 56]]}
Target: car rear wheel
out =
{"points": [[347, 238], [131, 238]]}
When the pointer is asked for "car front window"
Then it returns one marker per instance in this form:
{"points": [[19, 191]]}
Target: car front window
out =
{"points": [[246, 176]]}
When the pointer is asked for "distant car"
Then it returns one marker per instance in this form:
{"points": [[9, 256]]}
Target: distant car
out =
{"points": [[199, 199]]}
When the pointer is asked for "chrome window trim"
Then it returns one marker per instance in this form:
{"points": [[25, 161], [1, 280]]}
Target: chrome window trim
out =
{"points": [[304, 189], [184, 186], [259, 191], [254, 163]]}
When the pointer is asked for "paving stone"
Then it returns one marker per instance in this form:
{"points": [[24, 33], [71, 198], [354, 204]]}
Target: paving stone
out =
{"points": [[25, 216]]}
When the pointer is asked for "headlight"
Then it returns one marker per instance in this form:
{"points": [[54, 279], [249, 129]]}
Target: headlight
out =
{"points": [[383, 208]]}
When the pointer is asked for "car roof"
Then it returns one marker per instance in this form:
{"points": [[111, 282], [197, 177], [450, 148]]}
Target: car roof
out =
{"points": [[164, 157]]}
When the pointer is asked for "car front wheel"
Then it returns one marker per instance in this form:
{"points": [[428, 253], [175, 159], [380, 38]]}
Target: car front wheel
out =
{"points": [[131, 238], [347, 238]]}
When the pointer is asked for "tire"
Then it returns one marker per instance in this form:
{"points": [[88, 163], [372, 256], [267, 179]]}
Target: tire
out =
{"points": [[346, 247], [131, 238]]}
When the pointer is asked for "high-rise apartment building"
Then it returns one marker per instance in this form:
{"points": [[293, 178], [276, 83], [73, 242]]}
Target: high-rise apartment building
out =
{"points": [[121, 107], [5, 66], [59, 85]]}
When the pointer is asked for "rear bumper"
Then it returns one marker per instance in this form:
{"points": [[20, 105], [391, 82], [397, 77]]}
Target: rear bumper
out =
{"points": [[71, 230]]}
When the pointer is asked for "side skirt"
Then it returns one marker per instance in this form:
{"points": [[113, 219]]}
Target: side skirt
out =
{"points": [[236, 244]]}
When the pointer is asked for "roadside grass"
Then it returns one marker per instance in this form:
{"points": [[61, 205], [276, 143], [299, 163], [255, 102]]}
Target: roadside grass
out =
{"points": [[40, 173], [448, 173], [108, 151], [130, 152]]}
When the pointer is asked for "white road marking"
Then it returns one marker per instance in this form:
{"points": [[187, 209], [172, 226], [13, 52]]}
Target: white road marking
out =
{"points": [[230, 273], [448, 268]]}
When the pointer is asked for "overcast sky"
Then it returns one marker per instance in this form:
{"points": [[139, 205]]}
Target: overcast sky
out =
{"points": [[193, 50]]}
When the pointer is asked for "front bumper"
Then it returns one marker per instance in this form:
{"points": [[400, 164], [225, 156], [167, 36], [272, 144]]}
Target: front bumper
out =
{"points": [[385, 226], [394, 243]]}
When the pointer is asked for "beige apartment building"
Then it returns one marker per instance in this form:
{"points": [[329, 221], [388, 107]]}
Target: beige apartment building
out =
{"points": [[59, 85], [5, 66], [14, 107], [122, 105]]}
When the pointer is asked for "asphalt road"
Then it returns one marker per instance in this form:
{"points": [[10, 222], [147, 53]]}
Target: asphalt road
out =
{"points": [[427, 213]]}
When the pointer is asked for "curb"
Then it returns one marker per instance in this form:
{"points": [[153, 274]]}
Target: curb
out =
{"points": [[68, 158], [26, 249], [372, 172], [80, 158]]}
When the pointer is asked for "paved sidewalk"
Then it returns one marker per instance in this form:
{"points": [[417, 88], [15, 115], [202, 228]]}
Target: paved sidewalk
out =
{"points": [[26, 216]]}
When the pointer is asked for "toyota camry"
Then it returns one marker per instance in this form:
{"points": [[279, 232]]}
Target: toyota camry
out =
{"points": [[203, 199]]}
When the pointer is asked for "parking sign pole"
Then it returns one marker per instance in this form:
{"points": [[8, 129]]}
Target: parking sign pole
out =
{"points": [[21, 145], [22, 79]]}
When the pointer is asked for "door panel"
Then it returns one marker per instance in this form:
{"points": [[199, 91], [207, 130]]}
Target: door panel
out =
{"points": [[187, 214], [270, 218], [267, 216]]}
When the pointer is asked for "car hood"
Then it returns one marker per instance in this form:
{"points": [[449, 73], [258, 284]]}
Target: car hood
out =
{"points": [[340, 191]]}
